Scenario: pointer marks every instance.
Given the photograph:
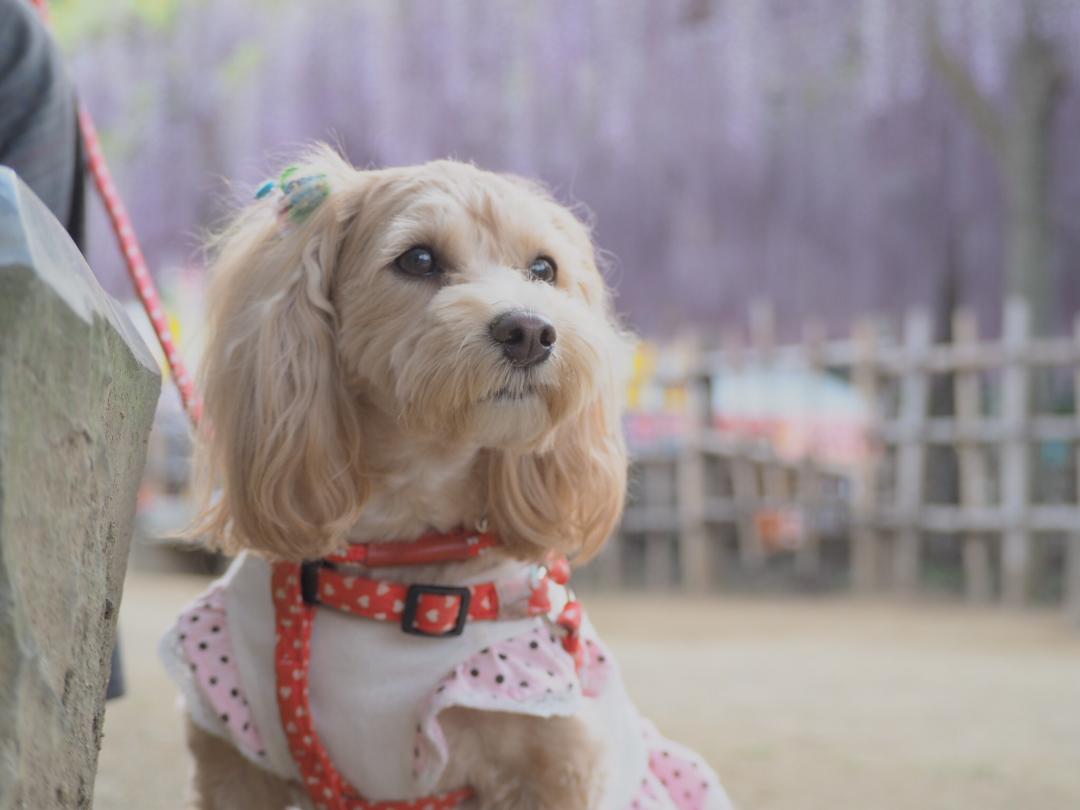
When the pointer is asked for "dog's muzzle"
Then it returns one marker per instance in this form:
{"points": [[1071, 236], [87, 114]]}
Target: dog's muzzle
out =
{"points": [[525, 337]]}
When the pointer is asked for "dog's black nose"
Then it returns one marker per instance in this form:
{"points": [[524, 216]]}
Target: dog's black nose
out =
{"points": [[526, 339]]}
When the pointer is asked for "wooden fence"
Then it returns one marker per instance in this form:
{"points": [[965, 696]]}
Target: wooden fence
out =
{"points": [[992, 433]]}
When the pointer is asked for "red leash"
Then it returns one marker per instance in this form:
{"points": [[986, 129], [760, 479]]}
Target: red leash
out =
{"points": [[133, 255]]}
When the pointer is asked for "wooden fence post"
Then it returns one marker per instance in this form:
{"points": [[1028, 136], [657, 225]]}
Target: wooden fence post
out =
{"points": [[657, 487], [747, 495], [695, 573], [752, 480], [776, 495], [978, 581], [808, 496], [1015, 463], [808, 482], [1072, 540], [865, 545], [911, 455], [979, 520]]}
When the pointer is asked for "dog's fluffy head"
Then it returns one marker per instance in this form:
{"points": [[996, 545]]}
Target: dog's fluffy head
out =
{"points": [[317, 326]]}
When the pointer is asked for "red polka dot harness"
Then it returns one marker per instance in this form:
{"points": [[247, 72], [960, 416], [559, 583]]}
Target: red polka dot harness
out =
{"points": [[427, 610]]}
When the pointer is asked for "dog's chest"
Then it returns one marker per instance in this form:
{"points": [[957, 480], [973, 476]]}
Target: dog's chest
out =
{"points": [[421, 494], [368, 682]]}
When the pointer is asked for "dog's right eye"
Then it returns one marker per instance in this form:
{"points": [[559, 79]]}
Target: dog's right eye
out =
{"points": [[418, 261]]}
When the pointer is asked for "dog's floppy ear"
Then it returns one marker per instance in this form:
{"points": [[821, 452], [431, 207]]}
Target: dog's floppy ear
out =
{"points": [[279, 454], [569, 498], [570, 495]]}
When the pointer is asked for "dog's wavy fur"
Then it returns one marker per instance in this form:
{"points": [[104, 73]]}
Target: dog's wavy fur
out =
{"points": [[346, 401], [298, 330]]}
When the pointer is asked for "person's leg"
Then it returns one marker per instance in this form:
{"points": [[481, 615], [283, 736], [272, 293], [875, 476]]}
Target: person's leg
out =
{"points": [[39, 135]]}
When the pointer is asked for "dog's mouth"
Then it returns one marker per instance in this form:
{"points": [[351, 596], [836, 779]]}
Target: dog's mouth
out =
{"points": [[515, 394]]}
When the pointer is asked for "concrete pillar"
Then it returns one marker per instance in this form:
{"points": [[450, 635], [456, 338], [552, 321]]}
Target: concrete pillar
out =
{"points": [[77, 394]]}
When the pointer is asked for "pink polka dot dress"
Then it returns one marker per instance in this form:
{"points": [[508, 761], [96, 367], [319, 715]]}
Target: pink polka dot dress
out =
{"points": [[377, 694]]}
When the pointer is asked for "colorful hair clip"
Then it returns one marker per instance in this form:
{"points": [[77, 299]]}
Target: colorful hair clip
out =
{"points": [[265, 188], [303, 195], [299, 195]]}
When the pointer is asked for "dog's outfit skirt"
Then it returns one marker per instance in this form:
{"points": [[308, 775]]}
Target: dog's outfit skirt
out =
{"points": [[376, 694]]}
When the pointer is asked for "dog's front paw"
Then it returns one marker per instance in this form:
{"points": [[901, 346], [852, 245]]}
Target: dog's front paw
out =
{"points": [[566, 787], [517, 762]]}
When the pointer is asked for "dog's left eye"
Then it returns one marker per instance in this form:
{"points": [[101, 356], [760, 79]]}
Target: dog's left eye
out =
{"points": [[417, 261], [543, 269]]}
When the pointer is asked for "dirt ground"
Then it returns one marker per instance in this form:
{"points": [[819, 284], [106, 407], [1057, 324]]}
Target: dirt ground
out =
{"points": [[800, 704]]}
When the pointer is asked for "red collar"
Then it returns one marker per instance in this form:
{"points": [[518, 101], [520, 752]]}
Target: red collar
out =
{"points": [[321, 583], [436, 547]]}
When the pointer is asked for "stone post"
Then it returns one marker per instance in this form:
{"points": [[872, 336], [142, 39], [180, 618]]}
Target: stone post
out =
{"points": [[77, 394]]}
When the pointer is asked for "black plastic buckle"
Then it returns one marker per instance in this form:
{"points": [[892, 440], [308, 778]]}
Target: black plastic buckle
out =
{"points": [[309, 580], [412, 605]]}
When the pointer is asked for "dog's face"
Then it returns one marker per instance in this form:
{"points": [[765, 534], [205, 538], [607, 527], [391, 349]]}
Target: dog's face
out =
{"points": [[469, 306], [459, 304]]}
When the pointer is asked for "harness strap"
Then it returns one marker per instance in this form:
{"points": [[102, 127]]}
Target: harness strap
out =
{"points": [[428, 610], [321, 779]]}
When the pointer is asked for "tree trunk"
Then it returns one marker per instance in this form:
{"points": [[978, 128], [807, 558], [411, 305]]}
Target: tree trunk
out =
{"points": [[1024, 161], [1019, 140]]}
